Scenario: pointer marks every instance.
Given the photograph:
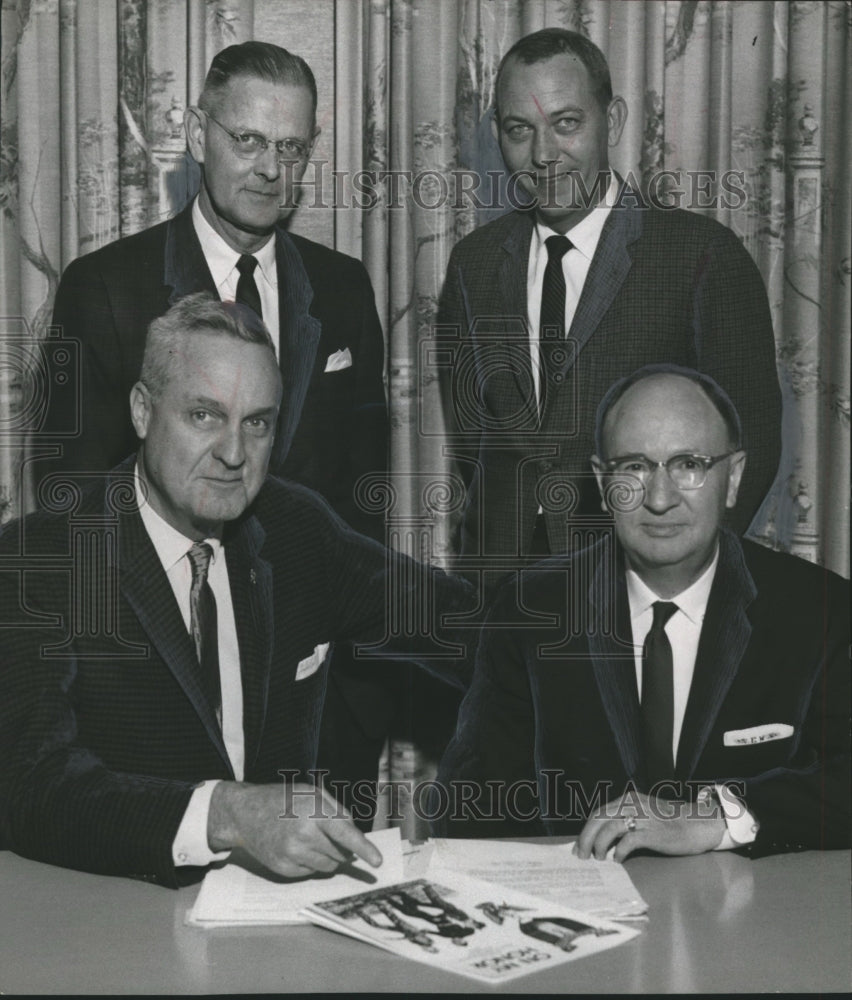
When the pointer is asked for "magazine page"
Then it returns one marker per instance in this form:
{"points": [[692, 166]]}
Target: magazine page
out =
{"points": [[469, 926]]}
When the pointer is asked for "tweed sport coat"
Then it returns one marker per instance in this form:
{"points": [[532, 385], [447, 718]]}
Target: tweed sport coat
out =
{"points": [[664, 286], [104, 726], [554, 704], [333, 425]]}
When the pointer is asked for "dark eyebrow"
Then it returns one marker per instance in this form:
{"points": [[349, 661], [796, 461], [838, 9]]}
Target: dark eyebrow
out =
{"points": [[205, 401], [523, 119], [284, 138], [268, 411], [570, 109]]}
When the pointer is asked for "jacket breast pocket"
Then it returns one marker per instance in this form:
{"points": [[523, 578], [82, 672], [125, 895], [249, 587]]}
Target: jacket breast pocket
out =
{"points": [[311, 663]]}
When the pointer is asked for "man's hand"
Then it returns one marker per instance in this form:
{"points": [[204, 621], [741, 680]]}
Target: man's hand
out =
{"points": [[637, 821], [293, 830]]}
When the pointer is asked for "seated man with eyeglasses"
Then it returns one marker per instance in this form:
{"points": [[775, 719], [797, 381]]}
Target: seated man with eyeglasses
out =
{"points": [[672, 688]]}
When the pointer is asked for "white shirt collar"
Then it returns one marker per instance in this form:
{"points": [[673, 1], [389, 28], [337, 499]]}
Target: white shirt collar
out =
{"points": [[222, 259], [692, 601], [170, 545], [587, 233]]}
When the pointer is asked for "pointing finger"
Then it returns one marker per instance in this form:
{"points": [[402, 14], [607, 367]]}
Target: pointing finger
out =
{"points": [[346, 835]]}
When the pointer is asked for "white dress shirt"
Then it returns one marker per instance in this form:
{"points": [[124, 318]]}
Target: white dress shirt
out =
{"points": [[575, 266], [684, 632], [222, 262], [190, 845]]}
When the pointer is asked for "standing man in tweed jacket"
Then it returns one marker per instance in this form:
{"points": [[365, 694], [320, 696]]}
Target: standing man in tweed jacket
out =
{"points": [[540, 325]]}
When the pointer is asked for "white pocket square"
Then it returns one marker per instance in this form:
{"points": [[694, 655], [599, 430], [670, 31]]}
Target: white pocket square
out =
{"points": [[757, 734], [311, 663], [339, 360]]}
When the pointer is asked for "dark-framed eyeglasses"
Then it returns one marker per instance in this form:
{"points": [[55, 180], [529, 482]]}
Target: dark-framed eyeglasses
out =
{"points": [[250, 145], [687, 472]]}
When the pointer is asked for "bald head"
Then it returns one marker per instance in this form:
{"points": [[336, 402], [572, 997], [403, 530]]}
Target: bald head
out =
{"points": [[661, 410], [656, 430]]}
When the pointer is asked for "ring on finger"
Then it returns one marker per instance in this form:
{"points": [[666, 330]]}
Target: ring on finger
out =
{"points": [[630, 824]]}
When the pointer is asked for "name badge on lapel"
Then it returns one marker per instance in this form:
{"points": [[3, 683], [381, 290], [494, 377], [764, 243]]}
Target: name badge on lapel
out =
{"points": [[312, 663], [757, 734]]}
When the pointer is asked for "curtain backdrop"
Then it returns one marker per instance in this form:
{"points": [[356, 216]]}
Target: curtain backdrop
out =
{"points": [[752, 95]]}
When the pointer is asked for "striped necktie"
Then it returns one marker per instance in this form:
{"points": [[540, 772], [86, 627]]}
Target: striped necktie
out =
{"points": [[203, 624]]}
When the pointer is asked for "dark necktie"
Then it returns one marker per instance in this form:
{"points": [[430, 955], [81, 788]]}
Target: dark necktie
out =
{"points": [[247, 293], [551, 327], [658, 696], [202, 616]]}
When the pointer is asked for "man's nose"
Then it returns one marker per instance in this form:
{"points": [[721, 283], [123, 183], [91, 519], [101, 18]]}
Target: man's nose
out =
{"points": [[267, 164], [230, 447], [660, 492], [544, 150]]}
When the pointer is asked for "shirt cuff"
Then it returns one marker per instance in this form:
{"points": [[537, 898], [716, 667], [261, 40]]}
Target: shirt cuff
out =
{"points": [[190, 846], [740, 825]]}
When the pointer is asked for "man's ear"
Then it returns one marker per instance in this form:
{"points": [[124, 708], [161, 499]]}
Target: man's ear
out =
{"points": [[599, 470], [735, 475], [140, 409], [194, 125], [616, 118]]}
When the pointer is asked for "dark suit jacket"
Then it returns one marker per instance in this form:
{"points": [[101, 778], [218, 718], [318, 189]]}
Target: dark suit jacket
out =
{"points": [[104, 726], [664, 286], [333, 426], [558, 702]]}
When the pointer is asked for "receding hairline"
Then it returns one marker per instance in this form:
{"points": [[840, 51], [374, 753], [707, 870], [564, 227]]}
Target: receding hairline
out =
{"points": [[708, 388], [169, 352], [548, 43], [257, 60], [204, 315], [212, 97]]}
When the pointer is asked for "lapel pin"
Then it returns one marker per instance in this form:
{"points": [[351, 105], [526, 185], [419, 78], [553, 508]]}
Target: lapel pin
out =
{"points": [[252, 576]]}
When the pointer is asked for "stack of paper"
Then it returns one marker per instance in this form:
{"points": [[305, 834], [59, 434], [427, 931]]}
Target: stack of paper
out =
{"points": [[231, 895], [550, 871]]}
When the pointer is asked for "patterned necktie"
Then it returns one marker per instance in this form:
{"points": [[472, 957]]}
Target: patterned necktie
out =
{"points": [[551, 327], [658, 696], [247, 293], [202, 616]]}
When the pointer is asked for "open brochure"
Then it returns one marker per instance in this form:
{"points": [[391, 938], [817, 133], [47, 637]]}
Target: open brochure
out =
{"points": [[233, 895], [469, 926]]}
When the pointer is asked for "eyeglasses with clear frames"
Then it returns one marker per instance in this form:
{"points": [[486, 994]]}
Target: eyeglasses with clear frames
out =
{"points": [[250, 145], [687, 472]]}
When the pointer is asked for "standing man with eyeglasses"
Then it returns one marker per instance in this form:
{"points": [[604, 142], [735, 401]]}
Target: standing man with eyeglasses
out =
{"points": [[252, 134], [687, 691]]}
